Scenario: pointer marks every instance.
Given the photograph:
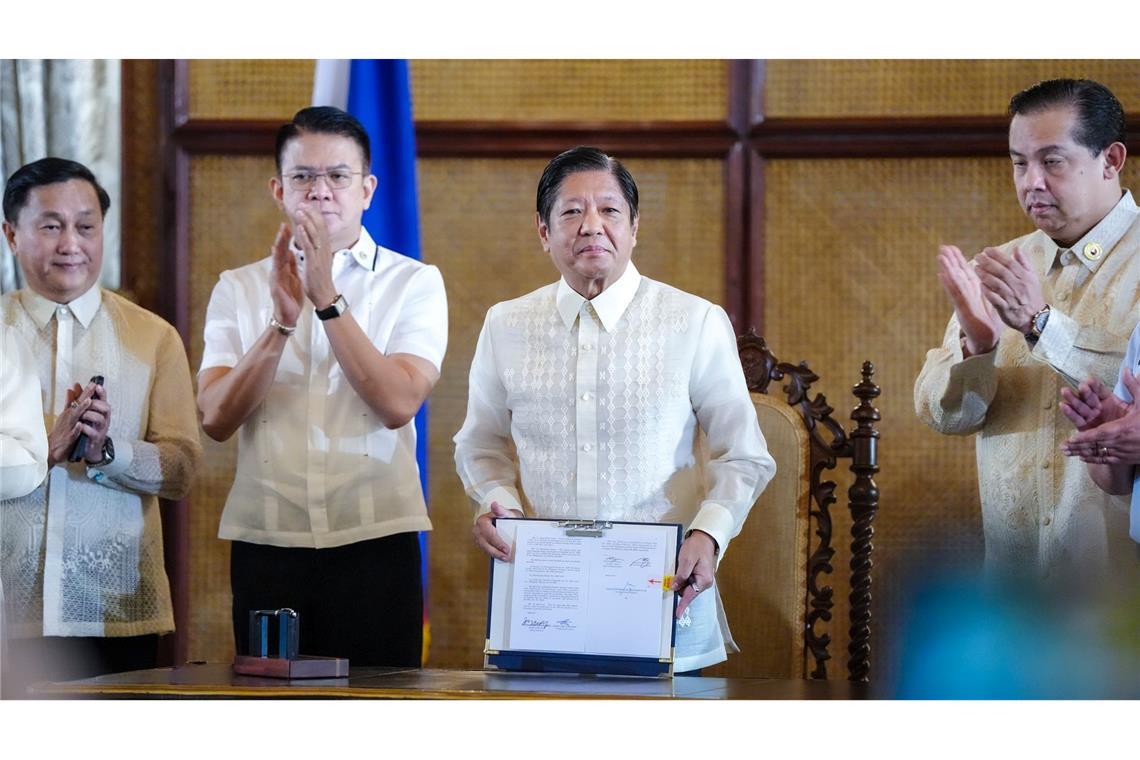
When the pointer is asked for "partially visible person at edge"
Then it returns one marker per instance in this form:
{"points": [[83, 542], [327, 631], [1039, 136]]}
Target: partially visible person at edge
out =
{"points": [[1044, 310], [1108, 432], [23, 439], [86, 592]]}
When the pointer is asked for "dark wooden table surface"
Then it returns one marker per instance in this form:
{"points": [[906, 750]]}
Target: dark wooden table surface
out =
{"points": [[218, 681]]}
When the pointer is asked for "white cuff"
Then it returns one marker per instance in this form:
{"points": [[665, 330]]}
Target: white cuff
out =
{"points": [[507, 497], [717, 521]]}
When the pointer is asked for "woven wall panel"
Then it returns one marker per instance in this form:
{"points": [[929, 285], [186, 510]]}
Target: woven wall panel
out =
{"points": [[232, 222], [883, 88], [562, 90], [478, 227], [249, 89]]}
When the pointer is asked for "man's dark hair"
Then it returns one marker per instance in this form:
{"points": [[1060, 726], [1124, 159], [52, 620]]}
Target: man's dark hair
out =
{"points": [[325, 120], [582, 159], [47, 171], [1100, 117]]}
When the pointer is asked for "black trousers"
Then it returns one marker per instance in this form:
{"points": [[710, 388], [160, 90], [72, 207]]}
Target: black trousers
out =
{"points": [[363, 601], [67, 658]]}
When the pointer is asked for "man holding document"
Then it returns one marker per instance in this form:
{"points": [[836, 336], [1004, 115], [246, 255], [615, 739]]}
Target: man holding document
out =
{"points": [[598, 383]]}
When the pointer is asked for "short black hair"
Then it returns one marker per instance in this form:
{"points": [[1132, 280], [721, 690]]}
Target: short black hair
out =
{"points": [[325, 120], [1100, 117], [47, 171], [581, 159]]}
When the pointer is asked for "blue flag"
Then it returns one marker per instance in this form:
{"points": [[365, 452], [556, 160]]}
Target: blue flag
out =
{"points": [[379, 95]]}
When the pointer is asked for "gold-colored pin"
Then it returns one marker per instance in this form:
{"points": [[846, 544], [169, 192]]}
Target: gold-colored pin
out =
{"points": [[1093, 251]]}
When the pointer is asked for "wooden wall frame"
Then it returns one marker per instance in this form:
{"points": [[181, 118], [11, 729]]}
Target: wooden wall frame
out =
{"points": [[745, 140]]}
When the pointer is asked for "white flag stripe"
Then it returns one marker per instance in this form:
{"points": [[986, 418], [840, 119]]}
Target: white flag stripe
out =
{"points": [[330, 83]]}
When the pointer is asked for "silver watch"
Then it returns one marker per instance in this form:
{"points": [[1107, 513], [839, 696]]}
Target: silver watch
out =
{"points": [[1037, 325]]}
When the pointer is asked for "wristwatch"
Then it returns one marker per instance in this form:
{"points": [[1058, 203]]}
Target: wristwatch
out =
{"points": [[1037, 325], [335, 309], [93, 468]]}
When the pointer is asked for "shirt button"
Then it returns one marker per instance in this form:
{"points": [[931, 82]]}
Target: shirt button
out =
{"points": [[1045, 465], [586, 346], [1047, 520], [586, 447], [586, 396]]}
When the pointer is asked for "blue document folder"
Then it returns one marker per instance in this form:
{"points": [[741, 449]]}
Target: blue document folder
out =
{"points": [[583, 596]]}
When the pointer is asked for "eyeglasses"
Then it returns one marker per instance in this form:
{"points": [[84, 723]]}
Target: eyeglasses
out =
{"points": [[337, 179]]}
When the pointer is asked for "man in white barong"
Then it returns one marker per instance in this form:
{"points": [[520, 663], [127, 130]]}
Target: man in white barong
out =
{"points": [[589, 393]]}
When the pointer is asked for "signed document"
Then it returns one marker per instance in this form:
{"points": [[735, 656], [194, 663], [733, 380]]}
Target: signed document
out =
{"points": [[602, 594]]}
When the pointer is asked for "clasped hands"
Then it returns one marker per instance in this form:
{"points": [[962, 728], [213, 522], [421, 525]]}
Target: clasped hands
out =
{"points": [[290, 284], [1108, 429], [86, 411], [696, 561], [993, 291]]}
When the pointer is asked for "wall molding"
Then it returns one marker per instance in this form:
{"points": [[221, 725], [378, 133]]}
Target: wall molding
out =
{"points": [[773, 138]]}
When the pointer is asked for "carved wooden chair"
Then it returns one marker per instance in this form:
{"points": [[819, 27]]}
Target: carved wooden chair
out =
{"points": [[773, 578]]}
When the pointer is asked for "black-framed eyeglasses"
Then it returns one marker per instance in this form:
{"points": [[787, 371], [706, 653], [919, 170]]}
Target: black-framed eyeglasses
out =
{"points": [[337, 179]]}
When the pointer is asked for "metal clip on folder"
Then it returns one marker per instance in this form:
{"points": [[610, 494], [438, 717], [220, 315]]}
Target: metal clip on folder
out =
{"points": [[589, 528]]}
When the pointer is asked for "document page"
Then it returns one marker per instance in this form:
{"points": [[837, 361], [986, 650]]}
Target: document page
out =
{"points": [[548, 602], [625, 595], [600, 595]]}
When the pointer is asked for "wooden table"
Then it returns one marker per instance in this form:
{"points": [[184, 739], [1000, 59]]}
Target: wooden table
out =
{"points": [[218, 681]]}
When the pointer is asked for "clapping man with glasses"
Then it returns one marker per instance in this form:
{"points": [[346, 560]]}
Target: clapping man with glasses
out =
{"points": [[320, 355]]}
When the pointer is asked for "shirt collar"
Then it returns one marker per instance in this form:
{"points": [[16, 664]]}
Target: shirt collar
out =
{"points": [[1098, 243], [364, 251], [83, 308], [609, 305]]}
